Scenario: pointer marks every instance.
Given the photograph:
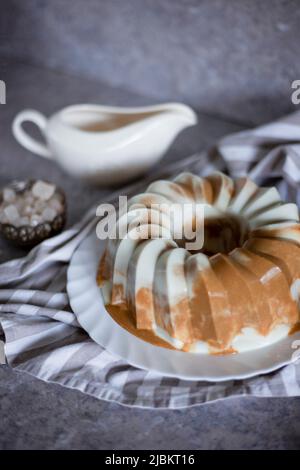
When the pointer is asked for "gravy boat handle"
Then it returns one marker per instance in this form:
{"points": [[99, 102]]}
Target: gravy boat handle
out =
{"points": [[25, 139]]}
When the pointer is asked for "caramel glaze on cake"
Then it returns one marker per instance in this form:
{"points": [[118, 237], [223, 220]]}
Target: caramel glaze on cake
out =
{"points": [[246, 276], [125, 319]]}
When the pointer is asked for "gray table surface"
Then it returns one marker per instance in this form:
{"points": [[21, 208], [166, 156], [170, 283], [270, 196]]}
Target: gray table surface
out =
{"points": [[37, 415]]}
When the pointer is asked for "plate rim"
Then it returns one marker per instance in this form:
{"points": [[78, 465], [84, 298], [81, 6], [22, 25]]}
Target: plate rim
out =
{"points": [[77, 265]]}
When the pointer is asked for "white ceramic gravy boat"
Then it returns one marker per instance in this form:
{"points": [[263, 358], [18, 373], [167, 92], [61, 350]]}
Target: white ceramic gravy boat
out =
{"points": [[104, 144]]}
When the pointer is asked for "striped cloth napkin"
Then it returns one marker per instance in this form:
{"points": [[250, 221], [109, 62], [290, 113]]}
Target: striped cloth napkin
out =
{"points": [[43, 338]]}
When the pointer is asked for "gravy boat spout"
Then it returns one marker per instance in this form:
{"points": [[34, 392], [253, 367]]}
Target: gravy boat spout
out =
{"points": [[104, 144]]}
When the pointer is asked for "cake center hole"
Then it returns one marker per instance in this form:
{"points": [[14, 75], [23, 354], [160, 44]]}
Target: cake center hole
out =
{"points": [[223, 234]]}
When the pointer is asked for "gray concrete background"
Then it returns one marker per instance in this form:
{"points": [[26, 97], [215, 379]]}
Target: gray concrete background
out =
{"points": [[233, 58], [136, 53], [46, 416]]}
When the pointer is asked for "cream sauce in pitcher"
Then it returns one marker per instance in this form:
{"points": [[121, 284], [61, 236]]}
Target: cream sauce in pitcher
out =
{"points": [[103, 144]]}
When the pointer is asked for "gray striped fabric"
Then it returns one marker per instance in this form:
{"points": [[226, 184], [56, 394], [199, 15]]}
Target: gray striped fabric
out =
{"points": [[42, 336]]}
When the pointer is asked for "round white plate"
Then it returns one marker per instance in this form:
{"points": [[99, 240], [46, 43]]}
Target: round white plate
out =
{"points": [[87, 304]]}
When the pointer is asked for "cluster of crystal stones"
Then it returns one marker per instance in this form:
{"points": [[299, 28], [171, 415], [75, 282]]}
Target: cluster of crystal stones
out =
{"points": [[33, 206], [31, 212]]}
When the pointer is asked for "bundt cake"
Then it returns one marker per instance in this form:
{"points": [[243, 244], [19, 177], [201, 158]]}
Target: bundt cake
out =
{"points": [[239, 291]]}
